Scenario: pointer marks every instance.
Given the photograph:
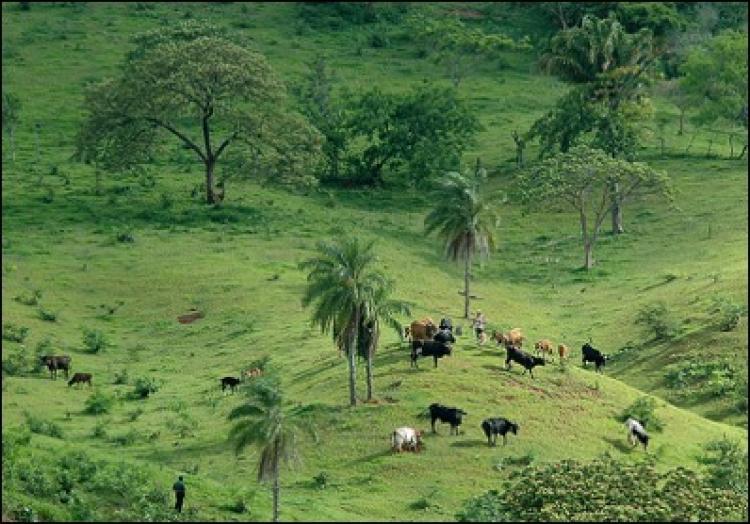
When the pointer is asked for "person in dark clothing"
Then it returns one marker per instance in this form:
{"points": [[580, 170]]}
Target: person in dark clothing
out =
{"points": [[179, 493]]}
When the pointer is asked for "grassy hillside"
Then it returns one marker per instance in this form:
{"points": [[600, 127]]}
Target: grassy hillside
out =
{"points": [[61, 240]]}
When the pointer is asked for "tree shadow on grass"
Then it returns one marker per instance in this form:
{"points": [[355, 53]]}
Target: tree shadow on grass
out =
{"points": [[371, 456], [621, 446]]}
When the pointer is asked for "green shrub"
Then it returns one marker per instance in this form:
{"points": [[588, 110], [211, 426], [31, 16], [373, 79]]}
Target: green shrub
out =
{"points": [[15, 363], [623, 492], [643, 410], [657, 322], [726, 314], [29, 299], [125, 235], [321, 480], [42, 426], [94, 340], [144, 386], [126, 439], [726, 464], [121, 377], [47, 315], [14, 333], [99, 403], [79, 464]]}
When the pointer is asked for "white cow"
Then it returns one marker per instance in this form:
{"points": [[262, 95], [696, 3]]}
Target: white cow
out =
{"points": [[406, 439], [636, 433]]}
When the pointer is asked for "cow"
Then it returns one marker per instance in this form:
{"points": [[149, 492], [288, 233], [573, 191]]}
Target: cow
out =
{"points": [[252, 373], [446, 414], [493, 427], [636, 433], [593, 355], [514, 337], [544, 347], [526, 360], [80, 378], [406, 439], [445, 336], [229, 382], [428, 348], [423, 329], [445, 323], [563, 351], [54, 363]]}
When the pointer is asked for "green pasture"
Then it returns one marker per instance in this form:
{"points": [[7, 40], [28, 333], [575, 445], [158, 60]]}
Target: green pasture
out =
{"points": [[238, 264]]}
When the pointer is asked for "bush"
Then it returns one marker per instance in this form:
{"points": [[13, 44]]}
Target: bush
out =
{"points": [[562, 491], [121, 377], [79, 464], [727, 464], [29, 299], [124, 235], [714, 378], [643, 410], [657, 321], [144, 386], [127, 439], [14, 333], [47, 315], [99, 403], [17, 363], [321, 480], [726, 314], [43, 427], [94, 340]]}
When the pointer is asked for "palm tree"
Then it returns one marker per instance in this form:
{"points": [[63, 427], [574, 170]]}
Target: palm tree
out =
{"points": [[464, 219], [339, 282], [266, 422], [378, 309]]}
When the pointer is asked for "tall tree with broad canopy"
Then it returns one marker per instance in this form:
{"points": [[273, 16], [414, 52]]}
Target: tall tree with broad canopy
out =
{"points": [[342, 280], [465, 219], [194, 86], [267, 421], [583, 179]]}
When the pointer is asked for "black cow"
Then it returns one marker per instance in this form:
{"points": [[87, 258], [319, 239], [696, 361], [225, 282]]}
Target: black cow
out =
{"points": [[493, 427], [80, 378], [229, 382], [593, 355], [445, 323], [428, 348], [526, 360], [445, 336], [54, 363], [446, 414]]}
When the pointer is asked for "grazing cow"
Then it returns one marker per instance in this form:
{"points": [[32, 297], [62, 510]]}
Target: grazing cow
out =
{"points": [[54, 363], [229, 382], [593, 355], [544, 347], [445, 336], [428, 348], [446, 414], [423, 329], [80, 378], [406, 439], [252, 373], [636, 433], [493, 427], [526, 360], [514, 337], [563, 351]]}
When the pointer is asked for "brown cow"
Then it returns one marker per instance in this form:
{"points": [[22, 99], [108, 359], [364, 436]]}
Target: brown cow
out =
{"points": [[544, 347], [563, 351], [514, 337], [252, 373], [423, 329], [80, 378]]}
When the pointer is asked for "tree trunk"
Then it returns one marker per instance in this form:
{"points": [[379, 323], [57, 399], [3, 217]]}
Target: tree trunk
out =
{"points": [[369, 373], [682, 120], [467, 268], [588, 244], [210, 181], [617, 211], [353, 361], [731, 146], [276, 490]]}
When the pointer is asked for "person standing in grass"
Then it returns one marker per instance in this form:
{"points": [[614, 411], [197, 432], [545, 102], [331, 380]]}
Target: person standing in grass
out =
{"points": [[179, 493], [479, 324]]}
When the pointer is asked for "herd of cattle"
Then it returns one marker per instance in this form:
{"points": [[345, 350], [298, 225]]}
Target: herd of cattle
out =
{"points": [[428, 339]]}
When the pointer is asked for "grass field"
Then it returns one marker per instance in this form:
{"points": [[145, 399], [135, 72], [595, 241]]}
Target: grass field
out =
{"points": [[238, 263]]}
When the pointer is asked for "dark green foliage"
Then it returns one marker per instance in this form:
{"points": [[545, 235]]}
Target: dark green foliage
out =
{"points": [[339, 15], [419, 134], [17, 362], [98, 403], [321, 480], [121, 377], [643, 410], [14, 333], [726, 313], [604, 490], [726, 464], [714, 378], [144, 386], [29, 299], [657, 321], [125, 235], [94, 340], [45, 314], [42, 426]]}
